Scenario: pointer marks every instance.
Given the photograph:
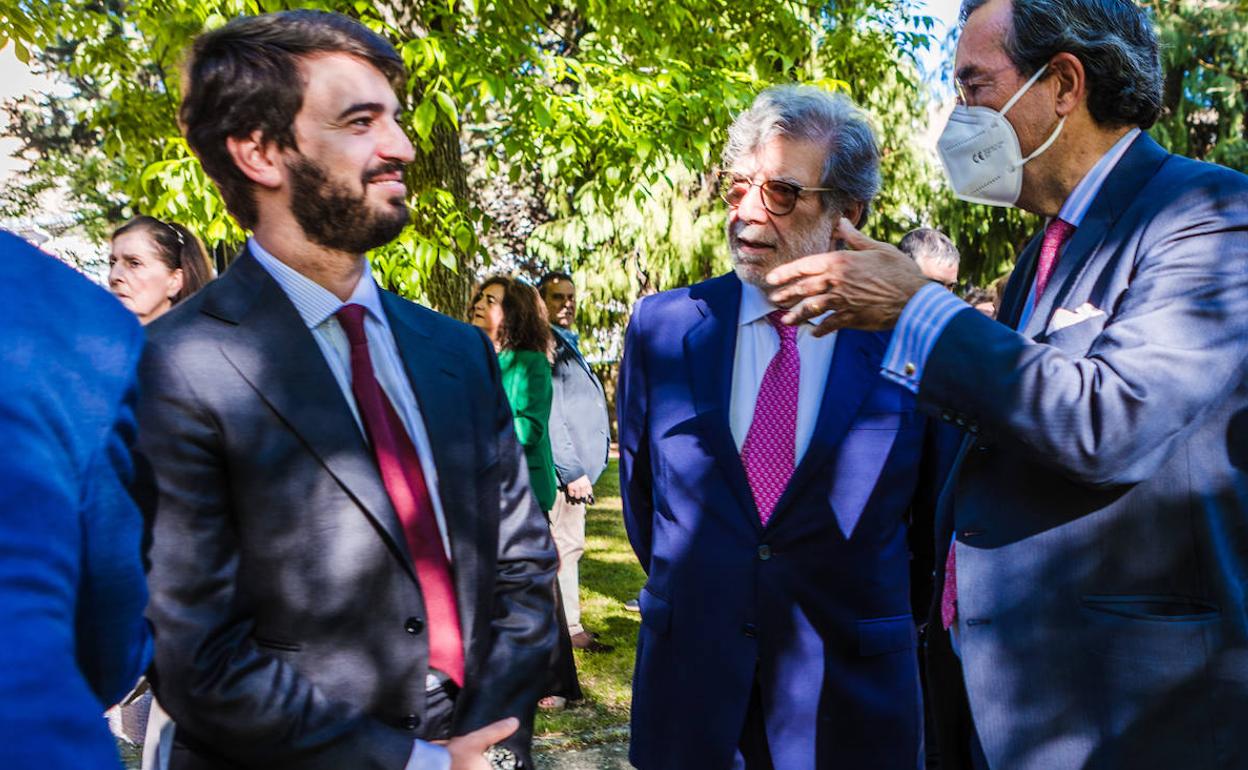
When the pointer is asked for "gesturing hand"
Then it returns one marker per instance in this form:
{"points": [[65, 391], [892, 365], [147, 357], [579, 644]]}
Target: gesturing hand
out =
{"points": [[468, 750], [867, 284]]}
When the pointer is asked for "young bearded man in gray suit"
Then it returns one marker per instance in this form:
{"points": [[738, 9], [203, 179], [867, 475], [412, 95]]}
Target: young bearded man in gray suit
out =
{"points": [[1096, 526], [347, 561]]}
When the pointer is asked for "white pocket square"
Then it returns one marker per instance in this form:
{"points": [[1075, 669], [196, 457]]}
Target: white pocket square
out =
{"points": [[1063, 318]]}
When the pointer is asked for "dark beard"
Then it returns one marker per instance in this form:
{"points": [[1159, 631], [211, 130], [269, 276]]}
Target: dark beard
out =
{"points": [[334, 217]]}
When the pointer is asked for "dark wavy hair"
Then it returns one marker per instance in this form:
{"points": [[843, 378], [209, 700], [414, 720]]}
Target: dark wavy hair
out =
{"points": [[178, 248], [1113, 39], [525, 326], [244, 77]]}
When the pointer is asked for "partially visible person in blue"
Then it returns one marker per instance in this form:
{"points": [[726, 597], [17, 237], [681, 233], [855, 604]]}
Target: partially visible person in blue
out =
{"points": [[72, 590], [768, 478]]}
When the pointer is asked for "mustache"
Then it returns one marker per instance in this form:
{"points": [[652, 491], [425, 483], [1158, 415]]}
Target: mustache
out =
{"points": [[385, 168]]}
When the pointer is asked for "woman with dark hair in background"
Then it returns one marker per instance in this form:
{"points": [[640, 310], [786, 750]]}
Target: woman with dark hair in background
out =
{"points": [[513, 316], [154, 265]]}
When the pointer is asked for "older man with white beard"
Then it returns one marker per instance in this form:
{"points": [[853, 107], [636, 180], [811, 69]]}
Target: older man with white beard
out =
{"points": [[769, 478]]}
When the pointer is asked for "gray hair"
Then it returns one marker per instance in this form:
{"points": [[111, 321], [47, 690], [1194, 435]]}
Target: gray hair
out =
{"points": [[851, 166], [1114, 41], [929, 244]]}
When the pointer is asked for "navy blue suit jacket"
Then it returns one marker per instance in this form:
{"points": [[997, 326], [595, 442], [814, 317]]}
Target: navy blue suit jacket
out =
{"points": [[1101, 517], [817, 604], [71, 581]]}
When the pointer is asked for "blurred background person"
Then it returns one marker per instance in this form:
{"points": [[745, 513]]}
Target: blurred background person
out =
{"points": [[580, 436], [72, 590], [934, 253], [512, 315], [154, 265]]}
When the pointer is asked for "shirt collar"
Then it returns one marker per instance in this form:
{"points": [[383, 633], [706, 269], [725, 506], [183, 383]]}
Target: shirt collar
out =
{"points": [[755, 305], [314, 302], [1080, 199]]}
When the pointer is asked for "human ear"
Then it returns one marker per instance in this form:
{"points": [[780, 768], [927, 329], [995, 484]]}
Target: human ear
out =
{"points": [[259, 159], [176, 280], [1070, 80]]}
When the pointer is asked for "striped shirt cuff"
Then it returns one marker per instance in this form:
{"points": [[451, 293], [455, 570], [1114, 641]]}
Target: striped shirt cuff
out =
{"points": [[922, 320]]}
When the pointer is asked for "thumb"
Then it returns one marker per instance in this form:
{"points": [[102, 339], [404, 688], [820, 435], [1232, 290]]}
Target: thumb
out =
{"points": [[852, 237], [493, 733]]}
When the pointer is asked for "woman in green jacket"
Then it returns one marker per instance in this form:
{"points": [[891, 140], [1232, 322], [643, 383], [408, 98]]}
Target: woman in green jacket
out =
{"points": [[513, 315], [516, 323]]}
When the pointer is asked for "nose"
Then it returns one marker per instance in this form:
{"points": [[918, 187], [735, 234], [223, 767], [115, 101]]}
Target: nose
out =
{"points": [[396, 145], [751, 208], [114, 273]]}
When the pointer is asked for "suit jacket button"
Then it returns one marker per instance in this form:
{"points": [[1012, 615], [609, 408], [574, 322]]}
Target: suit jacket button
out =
{"points": [[410, 722], [946, 415], [749, 630], [764, 552], [414, 625]]}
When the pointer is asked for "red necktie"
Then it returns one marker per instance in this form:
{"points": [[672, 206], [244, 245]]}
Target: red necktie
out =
{"points": [[1056, 233], [405, 484]]}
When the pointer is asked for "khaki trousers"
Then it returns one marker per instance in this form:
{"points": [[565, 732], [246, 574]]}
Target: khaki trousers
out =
{"points": [[567, 526]]}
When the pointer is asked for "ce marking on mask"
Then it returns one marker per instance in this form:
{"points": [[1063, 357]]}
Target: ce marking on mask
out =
{"points": [[985, 153]]}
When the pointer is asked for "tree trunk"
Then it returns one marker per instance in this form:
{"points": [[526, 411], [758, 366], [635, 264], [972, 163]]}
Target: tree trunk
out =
{"points": [[443, 166]]}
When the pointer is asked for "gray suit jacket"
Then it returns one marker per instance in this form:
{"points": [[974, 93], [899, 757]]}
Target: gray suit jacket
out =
{"points": [[289, 622], [1101, 518], [580, 431]]}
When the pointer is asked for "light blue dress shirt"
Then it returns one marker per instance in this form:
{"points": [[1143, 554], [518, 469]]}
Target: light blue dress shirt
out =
{"points": [[931, 309], [317, 305]]}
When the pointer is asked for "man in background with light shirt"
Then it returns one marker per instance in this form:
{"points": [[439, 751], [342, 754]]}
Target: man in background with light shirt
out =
{"points": [[347, 561], [1093, 539]]}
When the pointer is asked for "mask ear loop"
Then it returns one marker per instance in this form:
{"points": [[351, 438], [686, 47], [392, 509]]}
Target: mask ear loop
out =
{"points": [[1019, 95]]}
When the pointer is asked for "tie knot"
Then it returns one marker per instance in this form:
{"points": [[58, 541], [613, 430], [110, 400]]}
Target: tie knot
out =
{"points": [[1058, 231], [352, 319], [788, 334]]}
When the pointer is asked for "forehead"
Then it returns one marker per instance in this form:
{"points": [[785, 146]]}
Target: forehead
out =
{"points": [[784, 158], [494, 290], [335, 81], [560, 286], [136, 242], [981, 48]]}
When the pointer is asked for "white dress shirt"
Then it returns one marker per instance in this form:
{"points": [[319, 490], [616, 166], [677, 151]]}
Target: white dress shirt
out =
{"points": [[316, 305], [757, 343]]}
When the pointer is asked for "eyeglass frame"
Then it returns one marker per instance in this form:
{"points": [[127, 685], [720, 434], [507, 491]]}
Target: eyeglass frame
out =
{"points": [[762, 186]]}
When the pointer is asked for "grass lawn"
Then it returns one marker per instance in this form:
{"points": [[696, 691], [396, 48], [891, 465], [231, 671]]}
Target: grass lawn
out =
{"points": [[609, 576]]}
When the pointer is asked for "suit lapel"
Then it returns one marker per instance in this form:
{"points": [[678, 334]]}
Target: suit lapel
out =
{"points": [[1134, 169], [854, 371], [1018, 287], [276, 354], [710, 347], [438, 387]]}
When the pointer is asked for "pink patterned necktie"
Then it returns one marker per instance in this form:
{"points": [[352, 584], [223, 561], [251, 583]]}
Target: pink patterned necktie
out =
{"points": [[769, 452], [1056, 233]]}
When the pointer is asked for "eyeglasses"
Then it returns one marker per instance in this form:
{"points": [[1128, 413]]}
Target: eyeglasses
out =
{"points": [[779, 198]]}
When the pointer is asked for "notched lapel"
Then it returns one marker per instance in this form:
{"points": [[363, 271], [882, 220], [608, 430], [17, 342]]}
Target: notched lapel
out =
{"points": [[437, 385], [710, 347], [274, 352], [853, 373]]}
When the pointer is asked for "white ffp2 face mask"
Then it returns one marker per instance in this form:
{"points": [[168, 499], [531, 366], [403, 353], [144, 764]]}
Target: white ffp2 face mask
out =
{"points": [[979, 150]]}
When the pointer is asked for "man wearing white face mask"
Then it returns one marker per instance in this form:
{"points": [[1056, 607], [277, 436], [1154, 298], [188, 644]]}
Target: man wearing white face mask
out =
{"points": [[1096, 523]]}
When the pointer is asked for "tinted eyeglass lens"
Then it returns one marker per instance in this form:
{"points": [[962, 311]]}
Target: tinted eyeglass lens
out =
{"points": [[732, 189], [779, 198]]}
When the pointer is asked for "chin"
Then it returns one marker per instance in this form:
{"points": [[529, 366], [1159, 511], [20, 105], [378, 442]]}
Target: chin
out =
{"points": [[755, 275]]}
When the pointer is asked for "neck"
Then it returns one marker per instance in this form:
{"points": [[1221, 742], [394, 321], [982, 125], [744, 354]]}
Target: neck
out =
{"points": [[1076, 160], [337, 271]]}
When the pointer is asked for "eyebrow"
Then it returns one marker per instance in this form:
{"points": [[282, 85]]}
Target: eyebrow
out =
{"points": [[373, 107], [967, 72]]}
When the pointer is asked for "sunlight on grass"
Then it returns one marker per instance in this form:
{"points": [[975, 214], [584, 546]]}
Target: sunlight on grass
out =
{"points": [[610, 575]]}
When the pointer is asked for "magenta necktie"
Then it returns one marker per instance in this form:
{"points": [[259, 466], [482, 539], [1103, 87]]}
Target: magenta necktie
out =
{"points": [[405, 484], [1056, 233], [769, 450]]}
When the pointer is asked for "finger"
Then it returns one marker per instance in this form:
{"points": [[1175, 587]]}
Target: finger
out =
{"points": [[494, 732], [812, 265], [795, 292], [807, 309], [832, 323], [853, 237]]}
